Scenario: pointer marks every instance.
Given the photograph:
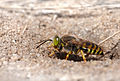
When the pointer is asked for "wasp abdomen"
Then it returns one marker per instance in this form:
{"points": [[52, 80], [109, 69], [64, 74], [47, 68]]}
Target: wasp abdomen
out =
{"points": [[91, 48]]}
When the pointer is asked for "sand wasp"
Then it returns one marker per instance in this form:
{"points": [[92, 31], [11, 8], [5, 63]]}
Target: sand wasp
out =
{"points": [[73, 46]]}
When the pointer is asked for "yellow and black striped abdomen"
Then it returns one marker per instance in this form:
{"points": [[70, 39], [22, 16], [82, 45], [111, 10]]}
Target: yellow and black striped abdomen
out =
{"points": [[91, 48]]}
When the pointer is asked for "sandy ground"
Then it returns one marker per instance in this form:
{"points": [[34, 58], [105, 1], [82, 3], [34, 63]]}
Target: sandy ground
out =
{"points": [[24, 23]]}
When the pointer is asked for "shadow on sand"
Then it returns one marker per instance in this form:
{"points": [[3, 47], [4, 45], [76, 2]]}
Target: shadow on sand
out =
{"points": [[73, 57]]}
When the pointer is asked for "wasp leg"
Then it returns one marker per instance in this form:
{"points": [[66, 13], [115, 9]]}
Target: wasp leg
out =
{"points": [[83, 56], [50, 46], [52, 53], [70, 52]]}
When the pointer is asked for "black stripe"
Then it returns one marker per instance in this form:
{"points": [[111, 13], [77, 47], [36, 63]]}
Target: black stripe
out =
{"points": [[91, 48], [88, 44], [98, 53], [93, 45], [95, 49], [102, 53]]}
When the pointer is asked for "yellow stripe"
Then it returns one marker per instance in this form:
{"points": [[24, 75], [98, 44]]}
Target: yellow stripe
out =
{"points": [[97, 50], [88, 50], [83, 47], [93, 49], [100, 52]]}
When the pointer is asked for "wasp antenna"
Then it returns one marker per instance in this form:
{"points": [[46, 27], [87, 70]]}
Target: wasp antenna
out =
{"points": [[42, 42], [109, 37]]}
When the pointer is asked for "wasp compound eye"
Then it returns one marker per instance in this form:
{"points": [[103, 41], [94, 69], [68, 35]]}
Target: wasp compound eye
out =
{"points": [[56, 40]]}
